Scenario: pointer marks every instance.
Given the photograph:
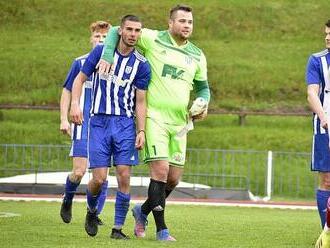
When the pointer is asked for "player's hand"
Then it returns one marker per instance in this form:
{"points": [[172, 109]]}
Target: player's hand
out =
{"points": [[103, 67], [76, 114], [324, 123], [65, 127], [200, 116], [140, 140]]}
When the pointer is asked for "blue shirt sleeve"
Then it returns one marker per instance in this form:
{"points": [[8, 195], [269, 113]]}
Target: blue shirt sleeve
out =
{"points": [[74, 70], [313, 75], [92, 60], [143, 76]]}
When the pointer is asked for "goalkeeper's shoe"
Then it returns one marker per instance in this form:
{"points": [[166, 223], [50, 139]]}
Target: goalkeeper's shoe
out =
{"points": [[91, 224], [164, 235], [141, 221], [66, 211], [324, 240]]}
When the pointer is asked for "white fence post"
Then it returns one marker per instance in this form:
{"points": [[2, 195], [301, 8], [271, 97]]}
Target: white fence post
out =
{"points": [[269, 176]]}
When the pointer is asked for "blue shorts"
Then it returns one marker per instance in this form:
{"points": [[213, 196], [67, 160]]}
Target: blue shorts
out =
{"points": [[79, 148], [111, 136], [320, 153]]}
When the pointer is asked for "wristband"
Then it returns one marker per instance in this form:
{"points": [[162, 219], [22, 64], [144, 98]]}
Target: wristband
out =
{"points": [[141, 130]]}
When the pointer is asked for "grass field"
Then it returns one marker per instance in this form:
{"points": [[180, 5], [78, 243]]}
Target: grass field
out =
{"points": [[217, 131], [256, 50], [194, 226]]}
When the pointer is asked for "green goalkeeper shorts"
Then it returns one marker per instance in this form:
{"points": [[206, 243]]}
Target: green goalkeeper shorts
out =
{"points": [[163, 144]]}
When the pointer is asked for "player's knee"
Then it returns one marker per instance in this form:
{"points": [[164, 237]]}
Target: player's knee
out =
{"points": [[159, 174], [326, 184], [78, 174], [123, 175], [98, 181], [325, 181]]}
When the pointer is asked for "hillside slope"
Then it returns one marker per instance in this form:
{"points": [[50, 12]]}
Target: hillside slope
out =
{"points": [[256, 50]]}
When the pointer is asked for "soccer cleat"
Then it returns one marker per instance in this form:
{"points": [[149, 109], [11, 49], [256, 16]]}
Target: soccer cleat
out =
{"points": [[99, 221], [164, 235], [141, 221], [118, 234], [91, 224], [324, 240], [66, 211]]}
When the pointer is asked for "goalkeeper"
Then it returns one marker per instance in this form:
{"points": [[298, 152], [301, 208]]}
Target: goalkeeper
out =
{"points": [[177, 66]]}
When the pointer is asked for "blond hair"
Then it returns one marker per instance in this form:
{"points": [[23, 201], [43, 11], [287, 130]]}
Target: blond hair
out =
{"points": [[99, 25]]}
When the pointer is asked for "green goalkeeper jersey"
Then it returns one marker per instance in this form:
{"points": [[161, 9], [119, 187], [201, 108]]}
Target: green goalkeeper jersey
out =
{"points": [[174, 70]]}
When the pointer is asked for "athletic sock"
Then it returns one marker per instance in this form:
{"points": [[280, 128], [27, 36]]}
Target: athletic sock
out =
{"points": [[70, 189], [103, 197], [322, 197], [168, 191], [146, 209], [121, 209], [156, 195], [92, 201]]}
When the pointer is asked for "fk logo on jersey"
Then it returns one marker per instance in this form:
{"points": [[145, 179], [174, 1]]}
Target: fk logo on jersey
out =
{"points": [[128, 69], [172, 71]]}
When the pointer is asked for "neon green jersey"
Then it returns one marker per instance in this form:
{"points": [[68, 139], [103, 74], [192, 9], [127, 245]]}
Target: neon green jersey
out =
{"points": [[174, 69]]}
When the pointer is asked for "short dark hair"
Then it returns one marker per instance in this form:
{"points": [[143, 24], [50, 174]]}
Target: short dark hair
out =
{"points": [[132, 18], [178, 7], [328, 23]]}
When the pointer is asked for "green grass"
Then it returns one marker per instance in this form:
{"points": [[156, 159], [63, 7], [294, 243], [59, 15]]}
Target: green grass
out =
{"points": [[256, 50], [260, 133], [194, 226]]}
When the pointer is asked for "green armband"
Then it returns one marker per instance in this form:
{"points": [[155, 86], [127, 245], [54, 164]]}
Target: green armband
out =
{"points": [[202, 89], [110, 44]]}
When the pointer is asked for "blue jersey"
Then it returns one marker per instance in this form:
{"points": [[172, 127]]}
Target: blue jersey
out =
{"points": [[318, 73], [116, 95], [80, 131]]}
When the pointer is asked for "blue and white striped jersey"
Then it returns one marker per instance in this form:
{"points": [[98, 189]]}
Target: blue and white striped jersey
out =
{"points": [[116, 94], [317, 72], [80, 131]]}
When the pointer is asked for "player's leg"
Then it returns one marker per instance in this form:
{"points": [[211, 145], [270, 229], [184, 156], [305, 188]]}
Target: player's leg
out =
{"points": [[102, 199], [323, 205], [79, 161], [322, 195], [174, 176], [321, 163], [123, 197], [156, 195], [125, 155], [156, 155], [99, 152], [176, 158], [93, 193]]}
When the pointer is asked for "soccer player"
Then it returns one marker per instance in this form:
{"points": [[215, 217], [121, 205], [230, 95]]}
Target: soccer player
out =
{"points": [[112, 129], [178, 66], [79, 134], [318, 91]]}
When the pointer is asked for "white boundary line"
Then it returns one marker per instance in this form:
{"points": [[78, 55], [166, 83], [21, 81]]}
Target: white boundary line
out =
{"points": [[7, 214], [173, 202]]}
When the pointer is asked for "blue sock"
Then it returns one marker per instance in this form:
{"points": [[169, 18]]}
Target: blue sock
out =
{"points": [[322, 199], [92, 200], [70, 189], [121, 208], [103, 197]]}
